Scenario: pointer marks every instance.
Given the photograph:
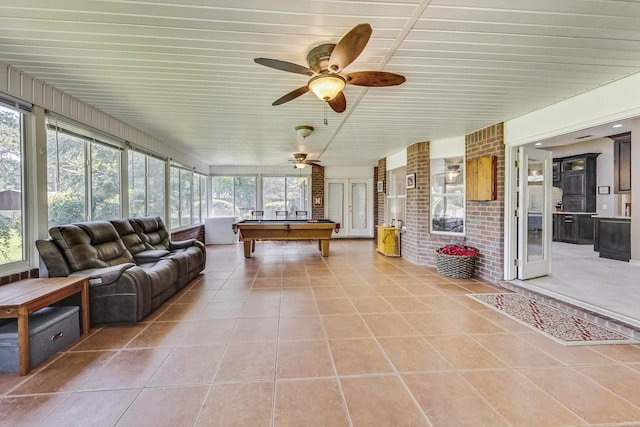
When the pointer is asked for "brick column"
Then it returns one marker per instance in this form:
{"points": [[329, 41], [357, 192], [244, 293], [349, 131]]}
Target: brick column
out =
{"points": [[485, 219], [317, 190], [376, 195], [381, 175], [416, 236]]}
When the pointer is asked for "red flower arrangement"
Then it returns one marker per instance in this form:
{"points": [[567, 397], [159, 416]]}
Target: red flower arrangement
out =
{"points": [[458, 250]]}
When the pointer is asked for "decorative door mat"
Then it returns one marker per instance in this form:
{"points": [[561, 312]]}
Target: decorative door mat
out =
{"points": [[563, 327]]}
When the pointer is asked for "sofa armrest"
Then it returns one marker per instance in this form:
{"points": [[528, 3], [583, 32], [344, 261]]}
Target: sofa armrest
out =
{"points": [[151, 255], [181, 244], [104, 276]]}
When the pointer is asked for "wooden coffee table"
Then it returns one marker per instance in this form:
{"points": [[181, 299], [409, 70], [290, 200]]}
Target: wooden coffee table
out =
{"points": [[21, 298]]}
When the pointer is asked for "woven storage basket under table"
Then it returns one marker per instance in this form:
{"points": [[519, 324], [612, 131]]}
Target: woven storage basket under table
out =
{"points": [[456, 266]]}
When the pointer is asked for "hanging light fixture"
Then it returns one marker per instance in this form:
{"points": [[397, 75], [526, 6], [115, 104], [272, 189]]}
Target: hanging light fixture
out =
{"points": [[452, 174], [299, 165], [304, 131], [326, 86]]}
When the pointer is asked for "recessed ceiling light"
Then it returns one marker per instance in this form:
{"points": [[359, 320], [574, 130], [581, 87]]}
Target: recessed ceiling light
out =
{"points": [[538, 143], [617, 125]]}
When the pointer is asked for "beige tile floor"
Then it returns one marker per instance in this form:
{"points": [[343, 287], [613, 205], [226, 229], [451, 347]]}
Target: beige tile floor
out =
{"points": [[289, 338]]}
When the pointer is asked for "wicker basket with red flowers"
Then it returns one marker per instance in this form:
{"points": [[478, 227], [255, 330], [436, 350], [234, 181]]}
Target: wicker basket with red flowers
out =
{"points": [[457, 261]]}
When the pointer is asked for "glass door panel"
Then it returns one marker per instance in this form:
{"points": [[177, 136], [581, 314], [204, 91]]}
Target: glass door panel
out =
{"points": [[534, 217]]}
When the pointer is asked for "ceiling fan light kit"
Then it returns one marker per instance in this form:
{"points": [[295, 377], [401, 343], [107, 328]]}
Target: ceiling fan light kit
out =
{"points": [[326, 62], [300, 160], [327, 86]]}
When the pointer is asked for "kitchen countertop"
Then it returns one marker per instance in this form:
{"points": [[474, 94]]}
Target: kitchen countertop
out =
{"points": [[612, 217], [575, 213]]}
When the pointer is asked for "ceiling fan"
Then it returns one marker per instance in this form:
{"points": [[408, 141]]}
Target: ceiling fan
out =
{"points": [[326, 63], [300, 161]]}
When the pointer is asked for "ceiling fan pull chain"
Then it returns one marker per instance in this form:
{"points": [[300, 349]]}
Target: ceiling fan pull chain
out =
{"points": [[326, 122]]}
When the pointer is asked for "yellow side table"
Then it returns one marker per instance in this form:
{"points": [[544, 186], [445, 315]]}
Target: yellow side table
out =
{"points": [[389, 241]]}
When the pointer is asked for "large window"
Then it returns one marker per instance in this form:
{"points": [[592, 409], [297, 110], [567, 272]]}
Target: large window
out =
{"points": [[146, 185], [447, 195], [199, 197], [281, 193], [105, 182], [188, 197], [72, 181], [11, 187], [273, 195], [396, 195], [66, 184], [233, 196]]}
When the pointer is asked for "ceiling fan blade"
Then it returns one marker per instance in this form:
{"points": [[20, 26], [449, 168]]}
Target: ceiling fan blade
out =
{"points": [[291, 95], [284, 66], [339, 103], [313, 161], [374, 78], [349, 47]]}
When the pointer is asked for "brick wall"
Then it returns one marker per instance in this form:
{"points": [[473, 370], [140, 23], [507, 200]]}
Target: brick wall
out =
{"points": [[485, 219], [317, 190], [196, 232], [29, 274]]}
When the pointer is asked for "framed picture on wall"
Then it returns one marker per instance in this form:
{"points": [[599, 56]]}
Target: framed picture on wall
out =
{"points": [[411, 180], [380, 186]]}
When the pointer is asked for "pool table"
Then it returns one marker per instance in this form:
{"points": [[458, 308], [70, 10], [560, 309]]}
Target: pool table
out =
{"points": [[252, 230]]}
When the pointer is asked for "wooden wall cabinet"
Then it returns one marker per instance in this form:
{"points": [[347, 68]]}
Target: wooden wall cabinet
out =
{"points": [[481, 182], [622, 163]]}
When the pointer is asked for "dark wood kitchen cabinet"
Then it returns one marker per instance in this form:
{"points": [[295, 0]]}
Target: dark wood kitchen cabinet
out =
{"points": [[573, 228], [612, 237], [557, 175], [579, 183], [622, 163]]}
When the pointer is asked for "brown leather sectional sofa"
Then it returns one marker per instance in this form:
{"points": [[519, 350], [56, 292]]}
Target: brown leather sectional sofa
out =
{"points": [[132, 265]]}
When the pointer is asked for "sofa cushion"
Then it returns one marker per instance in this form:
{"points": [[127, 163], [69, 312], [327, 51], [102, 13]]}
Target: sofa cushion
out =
{"points": [[162, 275], [153, 232], [53, 258], [91, 245], [129, 237]]}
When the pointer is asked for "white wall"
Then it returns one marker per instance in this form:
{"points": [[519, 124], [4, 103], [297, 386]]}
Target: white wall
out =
{"points": [[397, 160], [348, 172]]}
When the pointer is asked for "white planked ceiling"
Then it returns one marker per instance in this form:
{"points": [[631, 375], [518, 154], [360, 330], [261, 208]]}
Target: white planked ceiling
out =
{"points": [[183, 71]]}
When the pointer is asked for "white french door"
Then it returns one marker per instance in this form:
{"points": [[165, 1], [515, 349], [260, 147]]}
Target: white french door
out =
{"points": [[349, 203], [534, 213]]}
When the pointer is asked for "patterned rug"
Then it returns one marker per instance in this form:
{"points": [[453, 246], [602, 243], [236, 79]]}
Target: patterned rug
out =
{"points": [[556, 324]]}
